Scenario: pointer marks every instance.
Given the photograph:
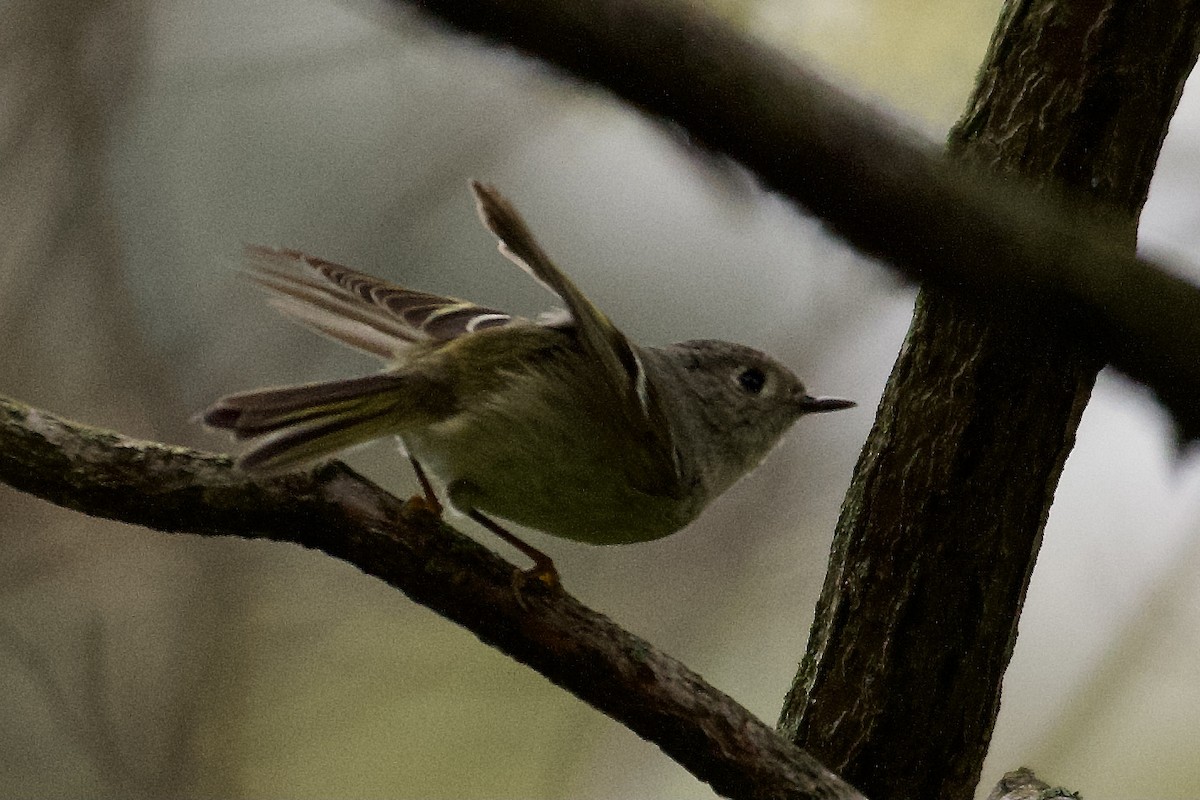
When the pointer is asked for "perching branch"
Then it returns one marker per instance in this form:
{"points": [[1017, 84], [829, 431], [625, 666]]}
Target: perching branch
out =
{"points": [[887, 191], [333, 510]]}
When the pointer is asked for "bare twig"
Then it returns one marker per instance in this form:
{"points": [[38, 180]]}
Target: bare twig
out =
{"points": [[889, 192], [334, 510]]}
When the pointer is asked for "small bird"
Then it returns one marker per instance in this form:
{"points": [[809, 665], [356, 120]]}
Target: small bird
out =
{"points": [[560, 424]]}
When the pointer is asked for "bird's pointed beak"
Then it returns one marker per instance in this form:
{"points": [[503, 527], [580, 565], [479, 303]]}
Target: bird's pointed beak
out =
{"points": [[818, 405]]}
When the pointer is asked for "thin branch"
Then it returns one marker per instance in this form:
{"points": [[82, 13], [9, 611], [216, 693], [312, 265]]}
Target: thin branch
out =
{"points": [[333, 510], [889, 192]]}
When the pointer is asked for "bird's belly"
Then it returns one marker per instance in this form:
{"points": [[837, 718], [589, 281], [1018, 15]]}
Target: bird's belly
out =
{"points": [[556, 481]]}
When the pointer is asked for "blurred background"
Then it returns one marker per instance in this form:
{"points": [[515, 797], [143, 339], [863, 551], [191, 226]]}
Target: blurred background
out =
{"points": [[142, 142]]}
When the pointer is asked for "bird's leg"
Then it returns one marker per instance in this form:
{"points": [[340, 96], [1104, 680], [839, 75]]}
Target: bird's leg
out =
{"points": [[543, 568], [429, 501]]}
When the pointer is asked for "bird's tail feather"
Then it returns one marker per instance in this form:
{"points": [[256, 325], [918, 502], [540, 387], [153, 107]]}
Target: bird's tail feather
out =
{"points": [[304, 423]]}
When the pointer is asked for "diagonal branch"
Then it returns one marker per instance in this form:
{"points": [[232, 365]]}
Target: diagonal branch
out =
{"points": [[333, 510], [889, 192]]}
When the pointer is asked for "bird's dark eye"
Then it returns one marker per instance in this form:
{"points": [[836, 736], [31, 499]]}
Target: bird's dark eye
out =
{"points": [[752, 380]]}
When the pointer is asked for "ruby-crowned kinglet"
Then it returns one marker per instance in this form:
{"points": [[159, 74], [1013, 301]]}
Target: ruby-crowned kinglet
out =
{"points": [[561, 424]]}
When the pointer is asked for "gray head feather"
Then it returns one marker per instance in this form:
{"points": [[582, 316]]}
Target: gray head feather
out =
{"points": [[731, 405]]}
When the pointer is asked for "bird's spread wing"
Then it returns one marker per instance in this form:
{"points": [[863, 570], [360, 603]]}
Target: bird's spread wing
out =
{"points": [[615, 356], [385, 320], [362, 311]]}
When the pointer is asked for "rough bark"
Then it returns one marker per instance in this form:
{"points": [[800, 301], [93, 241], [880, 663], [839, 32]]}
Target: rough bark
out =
{"points": [[334, 510], [900, 686]]}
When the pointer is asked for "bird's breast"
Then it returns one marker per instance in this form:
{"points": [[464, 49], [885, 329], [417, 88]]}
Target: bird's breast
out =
{"points": [[554, 466]]}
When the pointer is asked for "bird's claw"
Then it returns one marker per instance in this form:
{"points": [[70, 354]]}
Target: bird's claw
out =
{"points": [[544, 574], [422, 503]]}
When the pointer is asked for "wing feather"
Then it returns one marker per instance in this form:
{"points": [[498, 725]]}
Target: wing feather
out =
{"points": [[600, 336], [615, 354], [362, 311], [385, 320]]}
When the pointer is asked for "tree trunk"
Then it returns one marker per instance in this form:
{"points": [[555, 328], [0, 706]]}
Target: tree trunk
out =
{"points": [[899, 689]]}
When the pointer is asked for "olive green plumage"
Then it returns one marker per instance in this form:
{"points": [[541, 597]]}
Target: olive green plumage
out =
{"points": [[560, 425]]}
